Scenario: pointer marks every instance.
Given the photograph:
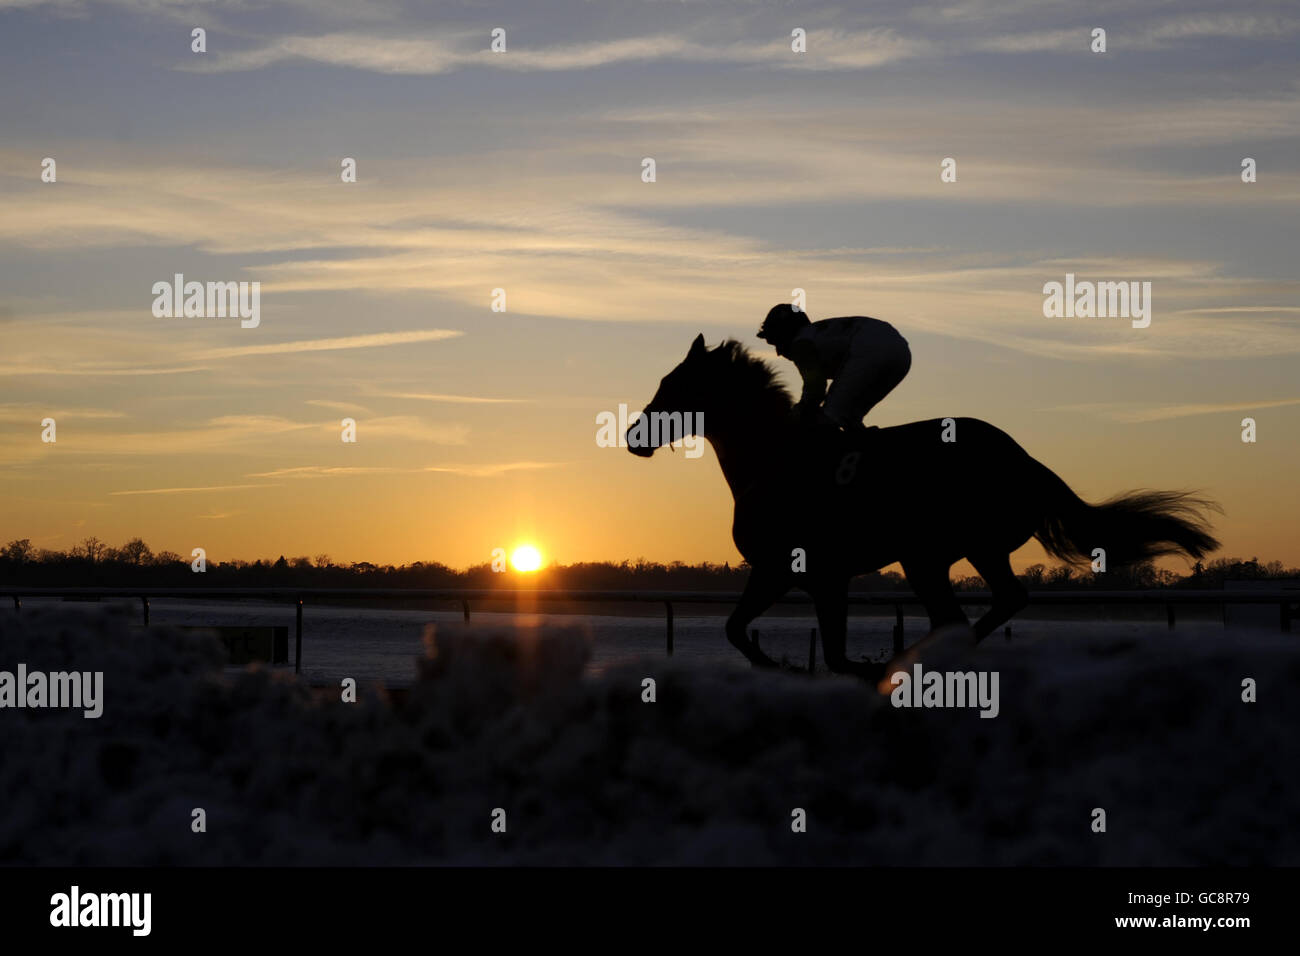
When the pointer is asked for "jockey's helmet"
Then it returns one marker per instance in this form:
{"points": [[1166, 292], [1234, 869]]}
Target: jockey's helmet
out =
{"points": [[782, 324]]}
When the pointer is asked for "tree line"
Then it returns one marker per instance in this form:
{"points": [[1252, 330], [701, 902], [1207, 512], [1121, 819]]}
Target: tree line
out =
{"points": [[93, 563]]}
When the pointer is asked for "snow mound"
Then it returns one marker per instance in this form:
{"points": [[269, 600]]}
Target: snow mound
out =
{"points": [[1155, 732]]}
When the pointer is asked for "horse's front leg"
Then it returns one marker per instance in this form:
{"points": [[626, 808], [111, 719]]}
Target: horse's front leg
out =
{"points": [[763, 589], [831, 596]]}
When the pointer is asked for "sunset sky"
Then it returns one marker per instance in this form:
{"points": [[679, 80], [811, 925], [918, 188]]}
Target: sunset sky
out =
{"points": [[522, 170]]}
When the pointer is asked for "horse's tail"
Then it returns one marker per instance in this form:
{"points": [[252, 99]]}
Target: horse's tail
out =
{"points": [[1129, 528]]}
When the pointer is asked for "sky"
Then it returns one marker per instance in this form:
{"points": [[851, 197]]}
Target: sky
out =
{"points": [[522, 170]]}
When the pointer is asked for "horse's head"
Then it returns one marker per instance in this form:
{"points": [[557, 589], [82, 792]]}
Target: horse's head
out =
{"points": [[739, 393], [678, 407]]}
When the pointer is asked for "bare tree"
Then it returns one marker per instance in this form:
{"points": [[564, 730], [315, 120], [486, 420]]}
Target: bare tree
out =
{"points": [[135, 552], [92, 549]]}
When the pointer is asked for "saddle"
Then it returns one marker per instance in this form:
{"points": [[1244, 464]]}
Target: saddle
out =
{"points": [[828, 458]]}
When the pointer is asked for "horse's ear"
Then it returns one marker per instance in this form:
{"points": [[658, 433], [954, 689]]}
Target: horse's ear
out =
{"points": [[697, 347]]}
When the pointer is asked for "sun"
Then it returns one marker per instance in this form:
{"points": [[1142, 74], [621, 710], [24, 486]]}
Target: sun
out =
{"points": [[526, 558]]}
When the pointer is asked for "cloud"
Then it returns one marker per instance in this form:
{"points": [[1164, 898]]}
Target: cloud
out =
{"points": [[246, 433], [712, 154], [332, 471], [350, 471], [866, 44], [581, 238], [1132, 414], [79, 369], [448, 51], [374, 340], [1230, 310], [1237, 26], [27, 413], [180, 491], [453, 399], [487, 471], [345, 407]]}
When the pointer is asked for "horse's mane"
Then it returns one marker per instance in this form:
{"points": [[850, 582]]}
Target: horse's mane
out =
{"points": [[751, 373]]}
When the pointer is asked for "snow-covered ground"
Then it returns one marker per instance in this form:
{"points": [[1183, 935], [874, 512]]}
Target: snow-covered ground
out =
{"points": [[1146, 725]]}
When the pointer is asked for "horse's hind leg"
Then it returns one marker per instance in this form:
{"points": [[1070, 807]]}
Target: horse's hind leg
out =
{"points": [[762, 590], [929, 582], [1009, 595]]}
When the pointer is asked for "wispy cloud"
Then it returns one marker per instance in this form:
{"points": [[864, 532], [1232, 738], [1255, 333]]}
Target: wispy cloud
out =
{"points": [[857, 43], [332, 471], [79, 369], [183, 491], [453, 399], [374, 340], [448, 51], [248, 433], [349, 471], [1135, 414], [487, 471], [18, 413], [1229, 310], [345, 407]]}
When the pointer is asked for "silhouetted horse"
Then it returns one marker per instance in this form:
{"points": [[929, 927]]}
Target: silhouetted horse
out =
{"points": [[925, 494]]}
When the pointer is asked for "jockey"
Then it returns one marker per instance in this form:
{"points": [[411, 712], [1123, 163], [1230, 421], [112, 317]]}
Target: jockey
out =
{"points": [[865, 359]]}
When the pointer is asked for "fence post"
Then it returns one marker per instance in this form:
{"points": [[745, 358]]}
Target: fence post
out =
{"points": [[297, 641], [668, 606], [18, 604], [145, 602], [1284, 615], [464, 606], [1169, 615], [812, 650]]}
